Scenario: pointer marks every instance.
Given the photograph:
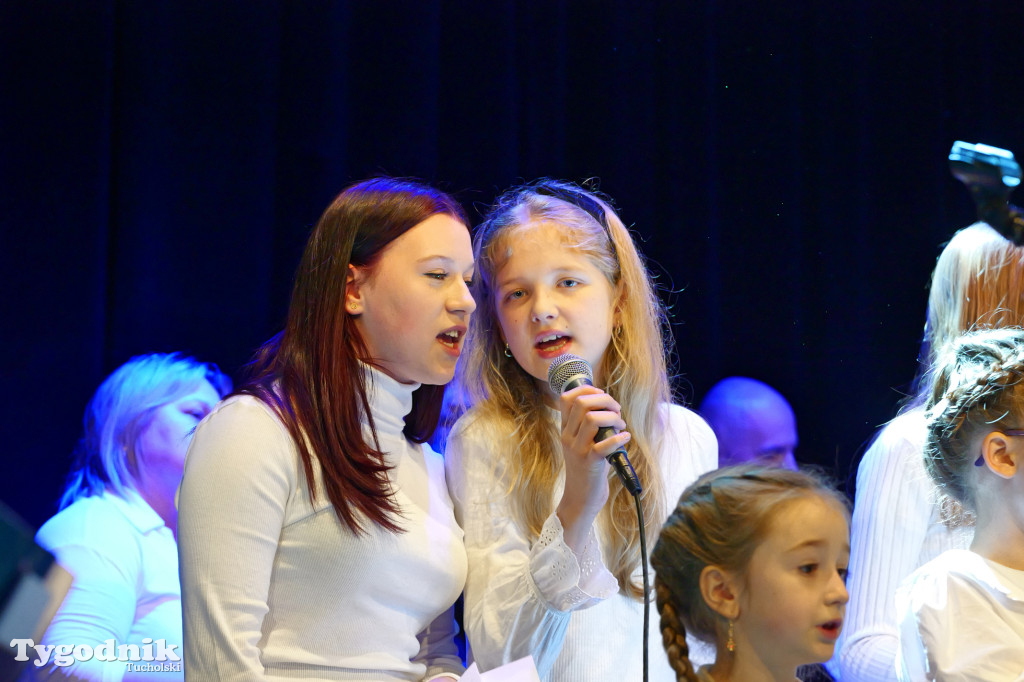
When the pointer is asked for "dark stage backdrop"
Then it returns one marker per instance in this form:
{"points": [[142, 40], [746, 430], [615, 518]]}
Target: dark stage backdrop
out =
{"points": [[161, 164]]}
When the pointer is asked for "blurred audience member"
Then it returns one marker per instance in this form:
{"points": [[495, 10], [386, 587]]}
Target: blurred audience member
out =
{"points": [[115, 531], [752, 421]]}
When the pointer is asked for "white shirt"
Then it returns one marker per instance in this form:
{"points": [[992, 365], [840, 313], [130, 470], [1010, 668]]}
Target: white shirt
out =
{"points": [[536, 597], [962, 620], [125, 567], [276, 587], [896, 528]]}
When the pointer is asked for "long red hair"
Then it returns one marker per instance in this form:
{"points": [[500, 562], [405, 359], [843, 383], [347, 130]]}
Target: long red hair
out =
{"points": [[309, 373]]}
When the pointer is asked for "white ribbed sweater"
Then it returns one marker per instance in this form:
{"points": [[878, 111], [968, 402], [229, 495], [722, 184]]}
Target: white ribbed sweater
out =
{"points": [[276, 588], [896, 529]]}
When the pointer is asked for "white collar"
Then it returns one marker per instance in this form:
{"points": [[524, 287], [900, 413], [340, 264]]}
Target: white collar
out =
{"points": [[389, 399], [135, 509]]}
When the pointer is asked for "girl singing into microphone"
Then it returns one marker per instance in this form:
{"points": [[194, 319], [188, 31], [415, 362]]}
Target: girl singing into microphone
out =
{"points": [[551, 535]]}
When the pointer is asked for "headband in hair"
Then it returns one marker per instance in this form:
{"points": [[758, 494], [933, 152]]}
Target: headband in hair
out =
{"points": [[580, 200]]}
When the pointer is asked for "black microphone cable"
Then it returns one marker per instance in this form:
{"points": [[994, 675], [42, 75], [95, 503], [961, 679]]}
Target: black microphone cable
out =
{"points": [[565, 373], [647, 585]]}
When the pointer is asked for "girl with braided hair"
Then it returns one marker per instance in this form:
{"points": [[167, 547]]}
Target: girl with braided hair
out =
{"points": [[753, 560], [963, 612], [900, 521]]}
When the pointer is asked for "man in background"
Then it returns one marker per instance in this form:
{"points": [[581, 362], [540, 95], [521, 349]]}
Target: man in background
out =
{"points": [[752, 421]]}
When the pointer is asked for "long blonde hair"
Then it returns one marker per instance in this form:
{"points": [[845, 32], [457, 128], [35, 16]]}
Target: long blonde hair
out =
{"points": [[978, 283], [634, 365]]}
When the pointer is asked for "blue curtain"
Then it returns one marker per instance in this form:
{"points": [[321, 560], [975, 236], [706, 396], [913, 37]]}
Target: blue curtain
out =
{"points": [[783, 164]]}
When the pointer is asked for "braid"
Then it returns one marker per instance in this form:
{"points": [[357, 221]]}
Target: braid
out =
{"points": [[945, 447], [719, 521], [974, 387], [673, 635]]}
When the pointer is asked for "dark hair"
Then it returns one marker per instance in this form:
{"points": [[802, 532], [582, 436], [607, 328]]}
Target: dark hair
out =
{"points": [[310, 375]]}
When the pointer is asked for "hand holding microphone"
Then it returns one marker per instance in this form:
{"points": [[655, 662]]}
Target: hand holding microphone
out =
{"points": [[567, 372]]}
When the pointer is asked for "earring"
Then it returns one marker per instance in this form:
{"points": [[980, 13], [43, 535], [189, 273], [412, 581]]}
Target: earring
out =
{"points": [[508, 353], [730, 644]]}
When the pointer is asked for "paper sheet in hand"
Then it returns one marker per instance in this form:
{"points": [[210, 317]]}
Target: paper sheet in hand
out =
{"points": [[522, 670]]}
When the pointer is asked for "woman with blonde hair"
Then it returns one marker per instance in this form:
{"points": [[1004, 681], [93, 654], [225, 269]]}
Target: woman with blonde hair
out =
{"points": [[115, 532], [900, 521], [551, 536]]}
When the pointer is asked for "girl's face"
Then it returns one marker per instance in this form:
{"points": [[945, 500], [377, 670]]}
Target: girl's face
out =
{"points": [[412, 307], [792, 604], [551, 299]]}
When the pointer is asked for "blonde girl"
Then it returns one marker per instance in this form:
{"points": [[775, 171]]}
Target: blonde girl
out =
{"points": [[900, 521], [551, 536], [963, 612], [753, 560]]}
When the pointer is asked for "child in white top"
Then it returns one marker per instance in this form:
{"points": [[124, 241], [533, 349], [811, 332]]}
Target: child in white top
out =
{"points": [[753, 559], [900, 521], [963, 612], [552, 537]]}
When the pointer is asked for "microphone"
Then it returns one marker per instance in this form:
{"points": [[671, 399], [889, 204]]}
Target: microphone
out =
{"points": [[565, 373]]}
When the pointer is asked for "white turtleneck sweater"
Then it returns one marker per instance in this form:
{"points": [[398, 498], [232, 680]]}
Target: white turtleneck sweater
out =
{"points": [[275, 587]]}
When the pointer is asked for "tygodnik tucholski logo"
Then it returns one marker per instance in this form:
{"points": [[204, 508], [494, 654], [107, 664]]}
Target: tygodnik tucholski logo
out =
{"points": [[151, 656]]}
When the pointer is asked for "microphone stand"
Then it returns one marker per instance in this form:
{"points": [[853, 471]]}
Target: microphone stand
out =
{"points": [[990, 174]]}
